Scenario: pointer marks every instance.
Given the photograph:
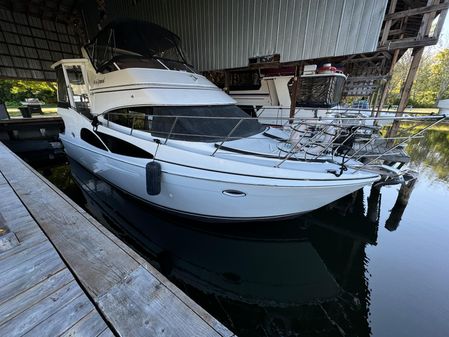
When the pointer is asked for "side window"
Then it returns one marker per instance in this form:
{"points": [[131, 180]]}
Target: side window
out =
{"points": [[91, 138], [137, 118], [63, 97], [79, 88], [122, 147]]}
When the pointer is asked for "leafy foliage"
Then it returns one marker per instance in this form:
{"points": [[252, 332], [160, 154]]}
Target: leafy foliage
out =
{"points": [[13, 92], [431, 82]]}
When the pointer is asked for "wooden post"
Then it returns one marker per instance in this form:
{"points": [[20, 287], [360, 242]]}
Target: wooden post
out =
{"points": [[376, 100], [417, 53], [386, 87], [294, 93], [407, 88], [398, 209], [441, 19], [227, 81], [373, 204], [387, 26]]}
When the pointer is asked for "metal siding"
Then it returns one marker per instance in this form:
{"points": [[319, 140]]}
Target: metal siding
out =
{"points": [[30, 45], [224, 34]]}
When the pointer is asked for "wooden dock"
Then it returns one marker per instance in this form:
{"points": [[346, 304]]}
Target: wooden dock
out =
{"points": [[64, 274]]}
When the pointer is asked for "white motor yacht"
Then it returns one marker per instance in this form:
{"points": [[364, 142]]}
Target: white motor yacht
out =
{"points": [[138, 116]]}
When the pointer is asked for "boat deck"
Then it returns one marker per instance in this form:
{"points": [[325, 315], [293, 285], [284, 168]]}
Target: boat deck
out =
{"points": [[64, 274]]}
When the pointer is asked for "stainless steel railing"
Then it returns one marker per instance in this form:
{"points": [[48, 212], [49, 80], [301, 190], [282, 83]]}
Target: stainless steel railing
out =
{"points": [[337, 137]]}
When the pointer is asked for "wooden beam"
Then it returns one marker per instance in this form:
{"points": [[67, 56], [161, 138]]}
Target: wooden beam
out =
{"points": [[387, 26], [386, 87], [409, 43], [441, 19], [367, 78], [407, 87], [416, 11], [426, 23], [294, 94]]}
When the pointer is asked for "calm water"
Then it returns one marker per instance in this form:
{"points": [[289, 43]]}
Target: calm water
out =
{"points": [[357, 268]]}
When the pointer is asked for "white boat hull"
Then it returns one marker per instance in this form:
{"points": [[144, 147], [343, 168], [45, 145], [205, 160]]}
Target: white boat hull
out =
{"points": [[197, 195]]}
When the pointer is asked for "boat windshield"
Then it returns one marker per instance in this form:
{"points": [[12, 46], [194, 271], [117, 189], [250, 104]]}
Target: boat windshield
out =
{"points": [[189, 123], [136, 44]]}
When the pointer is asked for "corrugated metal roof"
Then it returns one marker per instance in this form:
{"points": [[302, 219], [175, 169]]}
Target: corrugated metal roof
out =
{"points": [[29, 45], [220, 34]]}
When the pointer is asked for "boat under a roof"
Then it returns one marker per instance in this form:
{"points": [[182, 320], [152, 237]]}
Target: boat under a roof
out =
{"points": [[137, 115]]}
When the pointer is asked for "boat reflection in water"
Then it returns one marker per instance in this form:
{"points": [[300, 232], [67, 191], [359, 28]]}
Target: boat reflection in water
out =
{"points": [[304, 276]]}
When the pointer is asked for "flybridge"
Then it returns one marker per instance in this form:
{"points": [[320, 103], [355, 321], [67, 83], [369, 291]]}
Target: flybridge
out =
{"points": [[136, 44]]}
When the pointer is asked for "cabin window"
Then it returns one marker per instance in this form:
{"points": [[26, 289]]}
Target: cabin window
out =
{"points": [[91, 138], [122, 147], [79, 89], [210, 124], [63, 97], [137, 118]]}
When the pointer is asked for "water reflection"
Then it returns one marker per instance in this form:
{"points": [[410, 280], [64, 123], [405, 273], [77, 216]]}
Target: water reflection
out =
{"points": [[299, 277], [431, 150]]}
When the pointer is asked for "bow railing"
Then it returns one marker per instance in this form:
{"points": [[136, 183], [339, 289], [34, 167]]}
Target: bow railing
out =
{"points": [[336, 136]]}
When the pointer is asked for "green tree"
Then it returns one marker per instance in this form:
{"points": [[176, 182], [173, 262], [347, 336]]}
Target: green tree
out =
{"points": [[14, 91], [431, 83]]}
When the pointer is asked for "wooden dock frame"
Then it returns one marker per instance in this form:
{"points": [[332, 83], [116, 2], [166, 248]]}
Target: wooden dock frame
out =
{"points": [[120, 292]]}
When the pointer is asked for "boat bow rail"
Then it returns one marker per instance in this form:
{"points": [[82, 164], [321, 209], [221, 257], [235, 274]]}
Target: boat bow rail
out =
{"points": [[353, 142]]}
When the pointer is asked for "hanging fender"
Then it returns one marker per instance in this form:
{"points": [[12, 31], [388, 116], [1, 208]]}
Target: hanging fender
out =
{"points": [[153, 175]]}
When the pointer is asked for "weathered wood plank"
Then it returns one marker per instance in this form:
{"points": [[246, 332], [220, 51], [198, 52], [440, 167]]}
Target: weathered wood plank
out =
{"points": [[63, 319], [29, 318], [197, 309], [7, 241], [90, 325], [106, 333], [20, 222], [115, 286], [149, 303], [38, 294], [416, 11], [35, 294], [27, 275], [93, 257], [32, 239], [21, 257], [2, 179]]}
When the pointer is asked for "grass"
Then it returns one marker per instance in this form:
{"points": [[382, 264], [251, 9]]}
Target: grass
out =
{"points": [[417, 110], [48, 109], [442, 127]]}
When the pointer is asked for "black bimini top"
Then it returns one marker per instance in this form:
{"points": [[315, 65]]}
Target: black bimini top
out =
{"points": [[137, 42]]}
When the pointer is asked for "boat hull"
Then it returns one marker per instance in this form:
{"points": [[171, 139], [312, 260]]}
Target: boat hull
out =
{"points": [[226, 197]]}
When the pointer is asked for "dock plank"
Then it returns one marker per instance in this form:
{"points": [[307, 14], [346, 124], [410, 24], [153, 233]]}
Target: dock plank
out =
{"points": [[83, 247], [106, 333], [32, 239], [22, 256], [28, 275], [33, 295], [32, 316], [33, 278], [2, 179], [63, 319], [197, 309], [133, 296], [89, 325], [148, 303]]}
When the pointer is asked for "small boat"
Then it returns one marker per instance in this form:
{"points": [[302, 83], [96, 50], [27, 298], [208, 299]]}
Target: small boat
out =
{"points": [[137, 115]]}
